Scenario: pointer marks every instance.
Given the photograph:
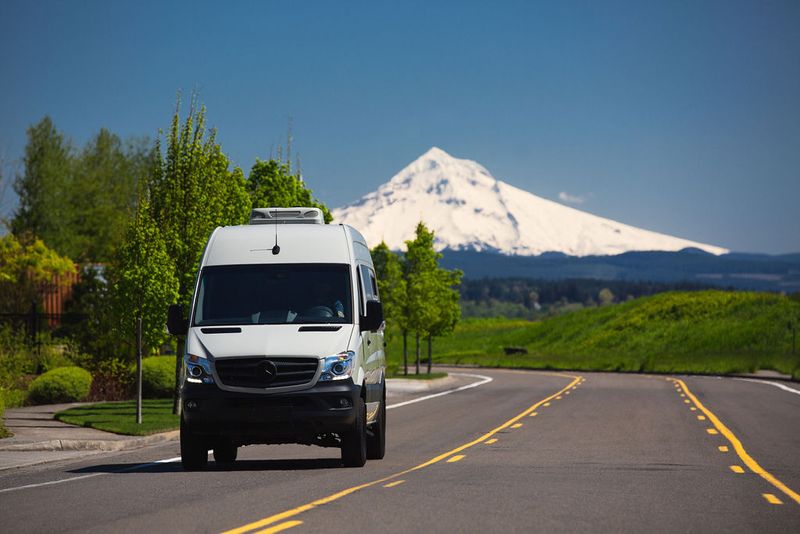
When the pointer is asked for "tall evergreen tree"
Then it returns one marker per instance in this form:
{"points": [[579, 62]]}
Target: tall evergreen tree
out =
{"points": [[41, 186]]}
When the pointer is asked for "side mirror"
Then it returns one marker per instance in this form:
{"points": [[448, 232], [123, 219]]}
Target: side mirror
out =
{"points": [[374, 318], [177, 325]]}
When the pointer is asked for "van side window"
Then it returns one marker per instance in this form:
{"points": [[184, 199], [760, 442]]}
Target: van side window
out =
{"points": [[362, 303], [366, 283], [374, 285]]}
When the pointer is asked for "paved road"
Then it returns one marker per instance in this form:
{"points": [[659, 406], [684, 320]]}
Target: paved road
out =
{"points": [[527, 451]]}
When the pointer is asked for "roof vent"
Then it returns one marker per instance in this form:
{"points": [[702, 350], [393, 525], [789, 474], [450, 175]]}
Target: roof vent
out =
{"points": [[286, 216]]}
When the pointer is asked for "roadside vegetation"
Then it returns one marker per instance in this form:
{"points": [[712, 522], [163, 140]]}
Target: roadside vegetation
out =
{"points": [[697, 332], [120, 417]]}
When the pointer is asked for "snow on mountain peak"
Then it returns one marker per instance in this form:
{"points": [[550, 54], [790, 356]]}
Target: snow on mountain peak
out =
{"points": [[467, 208]]}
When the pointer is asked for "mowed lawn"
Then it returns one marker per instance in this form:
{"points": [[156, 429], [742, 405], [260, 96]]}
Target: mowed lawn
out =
{"points": [[120, 417], [699, 332]]}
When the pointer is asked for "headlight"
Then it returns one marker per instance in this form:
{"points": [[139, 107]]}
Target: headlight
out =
{"points": [[337, 367], [198, 369]]}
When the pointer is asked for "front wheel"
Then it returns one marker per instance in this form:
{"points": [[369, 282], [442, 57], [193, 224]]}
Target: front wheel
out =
{"points": [[194, 450], [376, 436], [354, 442]]}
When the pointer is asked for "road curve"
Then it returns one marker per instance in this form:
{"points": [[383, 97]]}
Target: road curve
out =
{"points": [[527, 451]]}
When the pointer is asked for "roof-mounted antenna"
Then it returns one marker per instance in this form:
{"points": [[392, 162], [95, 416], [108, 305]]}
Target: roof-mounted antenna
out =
{"points": [[276, 249]]}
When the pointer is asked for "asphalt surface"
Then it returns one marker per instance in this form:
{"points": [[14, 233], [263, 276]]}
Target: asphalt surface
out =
{"points": [[604, 452]]}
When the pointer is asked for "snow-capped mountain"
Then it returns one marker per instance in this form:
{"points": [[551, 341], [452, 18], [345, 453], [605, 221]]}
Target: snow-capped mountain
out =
{"points": [[468, 209]]}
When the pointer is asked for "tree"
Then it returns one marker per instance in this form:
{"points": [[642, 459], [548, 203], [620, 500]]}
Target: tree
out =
{"points": [[146, 280], [447, 311], [192, 191], [41, 187], [605, 297], [102, 195], [26, 264], [392, 290], [79, 204], [271, 184], [420, 272]]}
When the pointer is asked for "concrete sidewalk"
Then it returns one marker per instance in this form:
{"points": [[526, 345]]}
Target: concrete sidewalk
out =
{"points": [[38, 438]]}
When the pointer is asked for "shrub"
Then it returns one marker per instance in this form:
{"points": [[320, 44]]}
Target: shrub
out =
{"points": [[158, 376], [65, 384], [3, 431]]}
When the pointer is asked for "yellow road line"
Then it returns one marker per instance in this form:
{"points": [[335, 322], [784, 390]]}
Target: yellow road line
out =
{"points": [[455, 458], [516, 425], [701, 417], [693, 408], [393, 484], [546, 404], [687, 401], [772, 499], [737, 469], [336, 496], [279, 528], [712, 431], [533, 414], [723, 448], [739, 448], [490, 441]]}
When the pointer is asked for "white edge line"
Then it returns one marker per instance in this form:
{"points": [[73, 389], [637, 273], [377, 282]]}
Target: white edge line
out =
{"points": [[481, 380], [776, 384], [82, 477]]}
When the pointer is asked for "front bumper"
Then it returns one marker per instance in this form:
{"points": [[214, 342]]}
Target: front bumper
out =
{"points": [[309, 416]]}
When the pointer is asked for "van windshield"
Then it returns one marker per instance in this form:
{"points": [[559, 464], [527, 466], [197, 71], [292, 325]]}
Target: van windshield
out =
{"points": [[274, 294]]}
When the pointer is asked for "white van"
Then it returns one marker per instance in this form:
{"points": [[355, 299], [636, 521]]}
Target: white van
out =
{"points": [[284, 343]]}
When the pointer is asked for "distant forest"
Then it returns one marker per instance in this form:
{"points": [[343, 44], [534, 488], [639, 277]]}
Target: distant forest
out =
{"points": [[525, 298]]}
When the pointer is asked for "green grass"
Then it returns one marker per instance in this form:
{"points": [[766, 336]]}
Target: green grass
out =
{"points": [[699, 332], [411, 376], [120, 417]]}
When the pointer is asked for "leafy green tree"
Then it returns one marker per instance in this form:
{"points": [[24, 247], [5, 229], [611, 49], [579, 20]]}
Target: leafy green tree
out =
{"points": [[445, 314], [420, 272], [79, 203], [26, 264], [271, 184], [102, 195], [146, 280], [392, 290], [40, 188], [192, 191]]}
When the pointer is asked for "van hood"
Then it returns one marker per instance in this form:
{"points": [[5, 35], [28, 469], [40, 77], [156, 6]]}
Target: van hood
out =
{"points": [[272, 340]]}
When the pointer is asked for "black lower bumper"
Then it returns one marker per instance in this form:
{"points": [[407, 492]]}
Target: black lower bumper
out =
{"points": [[308, 416]]}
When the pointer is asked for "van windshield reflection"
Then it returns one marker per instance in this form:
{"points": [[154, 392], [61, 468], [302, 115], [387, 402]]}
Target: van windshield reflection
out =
{"points": [[274, 294]]}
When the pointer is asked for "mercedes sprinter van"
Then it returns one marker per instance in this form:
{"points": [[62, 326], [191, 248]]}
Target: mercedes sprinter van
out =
{"points": [[284, 342]]}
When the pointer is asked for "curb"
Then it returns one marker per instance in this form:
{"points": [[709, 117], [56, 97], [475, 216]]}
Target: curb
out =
{"points": [[94, 444]]}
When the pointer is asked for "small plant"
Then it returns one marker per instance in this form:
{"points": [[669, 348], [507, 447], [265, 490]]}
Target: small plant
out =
{"points": [[158, 376], [65, 384], [3, 430]]}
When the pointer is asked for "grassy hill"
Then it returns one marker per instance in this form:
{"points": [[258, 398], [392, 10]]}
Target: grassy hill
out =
{"points": [[700, 332]]}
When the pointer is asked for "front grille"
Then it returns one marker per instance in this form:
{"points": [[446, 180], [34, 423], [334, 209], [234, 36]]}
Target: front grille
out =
{"points": [[250, 372]]}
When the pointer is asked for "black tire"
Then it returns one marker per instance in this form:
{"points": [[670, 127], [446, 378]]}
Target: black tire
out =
{"points": [[194, 450], [225, 452], [376, 436], [354, 442]]}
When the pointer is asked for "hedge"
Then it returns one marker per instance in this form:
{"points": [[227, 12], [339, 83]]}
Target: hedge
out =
{"points": [[64, 384], [158, 377]]}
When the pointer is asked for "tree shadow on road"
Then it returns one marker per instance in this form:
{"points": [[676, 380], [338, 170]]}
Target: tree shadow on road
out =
{"points": [[239, 465]]}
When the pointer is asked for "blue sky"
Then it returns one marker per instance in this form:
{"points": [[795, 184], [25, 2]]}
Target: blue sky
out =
{"points": [[678, 116]]}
